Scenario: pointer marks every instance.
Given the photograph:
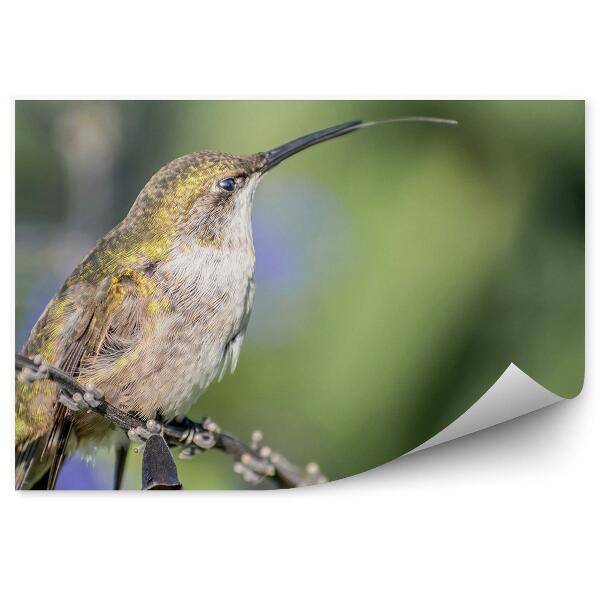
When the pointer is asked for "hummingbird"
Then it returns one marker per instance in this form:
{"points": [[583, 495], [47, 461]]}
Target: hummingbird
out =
{"points": [[157, 310]]}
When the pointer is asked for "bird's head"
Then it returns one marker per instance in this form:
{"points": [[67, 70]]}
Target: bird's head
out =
{"points": [[208, 195]]}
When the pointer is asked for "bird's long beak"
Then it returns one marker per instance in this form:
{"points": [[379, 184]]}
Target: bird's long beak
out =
{"points": [[279, 154]]}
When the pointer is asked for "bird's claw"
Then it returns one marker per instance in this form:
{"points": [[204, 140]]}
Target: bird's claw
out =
{"points": [[200, 437]]}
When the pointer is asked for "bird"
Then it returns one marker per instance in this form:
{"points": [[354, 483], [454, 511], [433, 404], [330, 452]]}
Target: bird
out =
{"points": [[157, 310]]}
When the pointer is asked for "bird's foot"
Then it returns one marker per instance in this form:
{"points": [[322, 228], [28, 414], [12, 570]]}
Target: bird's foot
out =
{"points": [[142, 434], [198, 437], [90, 399]]}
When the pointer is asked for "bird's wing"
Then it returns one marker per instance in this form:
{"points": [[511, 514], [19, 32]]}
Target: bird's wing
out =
{"points": [[85, 322]]}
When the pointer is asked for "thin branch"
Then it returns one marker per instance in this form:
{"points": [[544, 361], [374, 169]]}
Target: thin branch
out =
{"points": [[255, 462]]}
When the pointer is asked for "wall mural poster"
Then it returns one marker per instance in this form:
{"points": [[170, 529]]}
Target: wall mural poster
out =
{"points": [[259, 294]]}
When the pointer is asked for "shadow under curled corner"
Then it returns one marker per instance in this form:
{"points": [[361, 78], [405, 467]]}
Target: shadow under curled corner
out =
{"points": [[514, 394], [514, 402]]}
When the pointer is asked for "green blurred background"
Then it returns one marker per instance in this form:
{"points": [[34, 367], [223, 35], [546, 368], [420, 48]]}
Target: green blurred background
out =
{"points": [[400, 269]]}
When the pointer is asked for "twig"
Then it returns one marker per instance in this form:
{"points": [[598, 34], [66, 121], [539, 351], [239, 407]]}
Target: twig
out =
{"points": [[254, 462]]}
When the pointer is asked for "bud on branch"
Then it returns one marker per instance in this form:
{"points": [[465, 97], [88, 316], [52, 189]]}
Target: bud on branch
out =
{"points": [[254, 462]]}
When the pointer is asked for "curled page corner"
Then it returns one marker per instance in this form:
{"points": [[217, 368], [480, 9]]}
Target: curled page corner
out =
{"points": [[514, 394]]}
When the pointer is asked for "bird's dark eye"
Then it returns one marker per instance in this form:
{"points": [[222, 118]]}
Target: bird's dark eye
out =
{"points": [[227, 184]]}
